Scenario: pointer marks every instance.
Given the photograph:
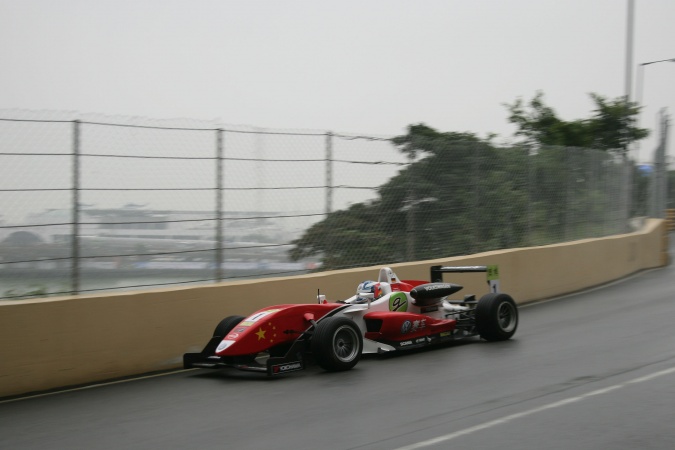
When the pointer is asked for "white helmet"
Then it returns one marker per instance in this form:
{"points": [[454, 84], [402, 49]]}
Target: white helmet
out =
{"points": [[371, 290], [365, 291]]}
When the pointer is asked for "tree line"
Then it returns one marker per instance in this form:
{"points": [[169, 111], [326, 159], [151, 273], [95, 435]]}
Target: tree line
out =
{"points": [[462, 194]]}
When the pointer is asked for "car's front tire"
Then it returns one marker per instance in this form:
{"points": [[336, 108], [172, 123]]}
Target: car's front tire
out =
{"points": [[496, 317], [337, 344]]}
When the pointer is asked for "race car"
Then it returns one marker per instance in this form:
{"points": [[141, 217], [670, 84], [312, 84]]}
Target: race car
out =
{"points": [[387, 315]]}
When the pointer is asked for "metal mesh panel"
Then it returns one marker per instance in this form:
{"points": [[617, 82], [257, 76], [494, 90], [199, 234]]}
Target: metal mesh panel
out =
{"points": [[125, 203], [35, 196], [360, 165]]}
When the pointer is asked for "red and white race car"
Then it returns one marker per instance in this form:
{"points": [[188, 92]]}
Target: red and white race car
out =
{"points": [[386, 315]]}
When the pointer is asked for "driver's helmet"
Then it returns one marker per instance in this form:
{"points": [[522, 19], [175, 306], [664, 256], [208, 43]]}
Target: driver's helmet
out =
{"points": [[371, 290]]}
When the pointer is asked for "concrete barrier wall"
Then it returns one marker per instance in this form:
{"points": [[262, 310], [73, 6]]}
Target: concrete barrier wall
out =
{"points": [[57, 342]]}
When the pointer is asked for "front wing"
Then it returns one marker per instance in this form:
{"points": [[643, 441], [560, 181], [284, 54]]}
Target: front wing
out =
{"points": [[292, 361]]}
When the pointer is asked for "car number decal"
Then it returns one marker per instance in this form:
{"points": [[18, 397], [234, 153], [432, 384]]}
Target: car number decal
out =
{"points": [[398, 302]]}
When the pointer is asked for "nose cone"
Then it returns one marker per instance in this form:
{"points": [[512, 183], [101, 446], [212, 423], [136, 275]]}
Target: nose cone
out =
{"points": [[254, 334], [270, 327]]}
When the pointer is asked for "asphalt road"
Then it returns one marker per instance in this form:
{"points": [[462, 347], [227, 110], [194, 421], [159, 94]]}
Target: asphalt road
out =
{"points": [[594, 370]]}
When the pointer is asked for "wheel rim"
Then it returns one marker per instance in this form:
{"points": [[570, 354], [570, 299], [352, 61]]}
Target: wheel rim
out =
{"points": [[345, 343], [506, 316]]}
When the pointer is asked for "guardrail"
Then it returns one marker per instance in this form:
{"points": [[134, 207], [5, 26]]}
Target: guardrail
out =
{"points": [[670, 218]]}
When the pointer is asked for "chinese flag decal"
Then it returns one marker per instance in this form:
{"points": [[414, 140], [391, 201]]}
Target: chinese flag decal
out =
{"points": [[261, 333]]}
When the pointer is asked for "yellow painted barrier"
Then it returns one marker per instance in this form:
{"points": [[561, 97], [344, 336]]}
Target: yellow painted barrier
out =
{"points": [[56, 342]]}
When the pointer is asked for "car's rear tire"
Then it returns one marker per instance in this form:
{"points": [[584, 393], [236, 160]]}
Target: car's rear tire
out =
{"points": [[496, 317], [337, 344], [226, 325]]}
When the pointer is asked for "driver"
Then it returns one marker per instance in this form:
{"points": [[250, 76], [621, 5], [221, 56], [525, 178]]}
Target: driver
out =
{"points": [[371, 290]]}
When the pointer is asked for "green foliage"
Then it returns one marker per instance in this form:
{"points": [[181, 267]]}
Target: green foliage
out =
{"points": [[611, 127], [461, 194], [613, 124], [467, 196], [351, 238]]}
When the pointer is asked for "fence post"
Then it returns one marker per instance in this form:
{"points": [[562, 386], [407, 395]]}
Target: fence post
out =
{"points": [[410, 213], [661, 168], [75, 241], [476, 181], [219, 204], [329, 173], [568, 201], [627, 193], [530, 197]]}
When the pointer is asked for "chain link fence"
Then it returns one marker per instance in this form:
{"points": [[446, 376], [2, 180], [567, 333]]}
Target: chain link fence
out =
{"points": [[104, 203]]}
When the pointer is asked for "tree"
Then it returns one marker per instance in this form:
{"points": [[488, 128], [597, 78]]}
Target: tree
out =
{"points": [[610, 128], [613, 124], [458, 195], [354, 237], [461, 194]]}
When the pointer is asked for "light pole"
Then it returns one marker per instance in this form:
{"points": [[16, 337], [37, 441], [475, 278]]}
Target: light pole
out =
{"points": [[639, 88], [629, 48]]}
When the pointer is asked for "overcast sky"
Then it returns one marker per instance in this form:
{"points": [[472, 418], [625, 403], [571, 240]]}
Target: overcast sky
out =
{"points": [[362, 66]]}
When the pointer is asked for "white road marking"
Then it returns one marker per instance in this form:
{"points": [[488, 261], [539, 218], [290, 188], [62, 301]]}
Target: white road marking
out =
{"points": [[536, 410]]}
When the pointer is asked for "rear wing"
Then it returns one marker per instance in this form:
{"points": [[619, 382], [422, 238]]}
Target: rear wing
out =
{"points": [[492, 271]]}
